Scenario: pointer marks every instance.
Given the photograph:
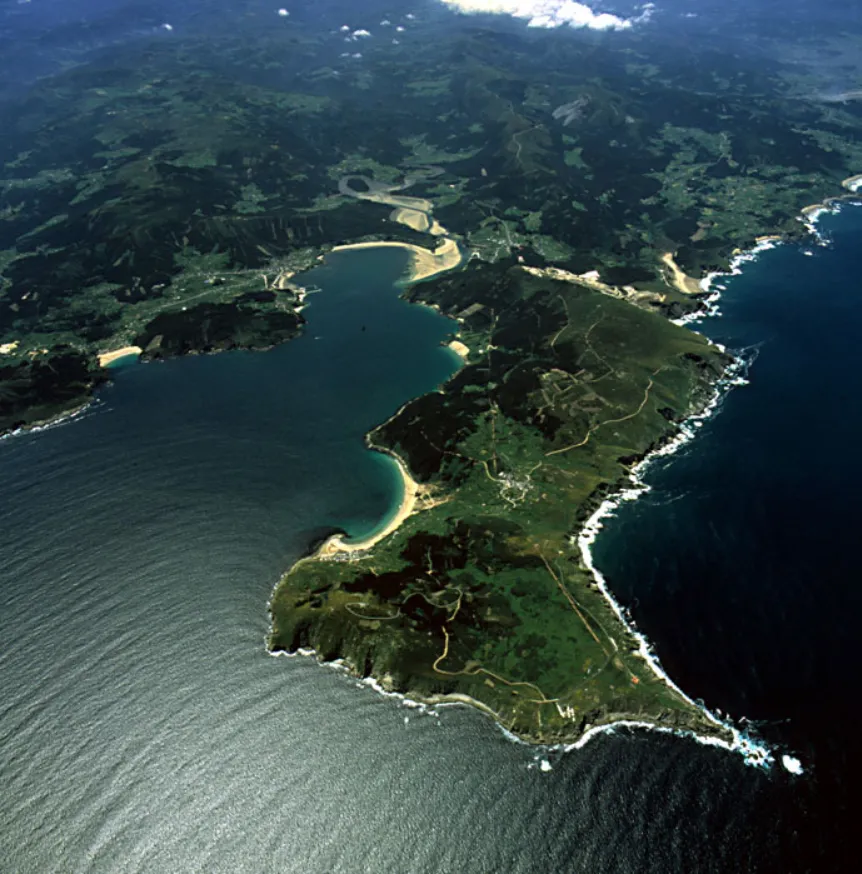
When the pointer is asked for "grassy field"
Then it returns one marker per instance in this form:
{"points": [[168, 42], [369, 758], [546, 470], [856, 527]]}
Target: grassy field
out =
{"points": [[482, 592]]}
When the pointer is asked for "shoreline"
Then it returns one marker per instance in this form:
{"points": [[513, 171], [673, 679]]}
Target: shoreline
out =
{"points": [[679, 279], [412, 492], [424, 263], [710, 307], [106, 359], [429, 704], [755, 753], [427, 263], [462, 350], [52, 421], [415, 213], [810, 214]]}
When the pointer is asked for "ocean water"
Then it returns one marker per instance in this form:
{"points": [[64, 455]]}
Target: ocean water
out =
{"points": [[144, 728], [741, 561]]}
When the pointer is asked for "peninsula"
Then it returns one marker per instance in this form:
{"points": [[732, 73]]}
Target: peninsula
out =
{"points": [[561, 199], [477, 589]]}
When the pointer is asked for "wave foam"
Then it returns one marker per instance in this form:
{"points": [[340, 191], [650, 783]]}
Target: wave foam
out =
{"points": [[87, 407], [791, 764], [551, 13], [753, 751], [710, 308]]}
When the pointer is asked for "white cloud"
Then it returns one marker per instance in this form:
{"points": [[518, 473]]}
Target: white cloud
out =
{"points": [[551, 13]]}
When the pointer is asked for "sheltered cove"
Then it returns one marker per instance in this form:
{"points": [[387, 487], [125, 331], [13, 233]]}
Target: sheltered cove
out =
{"points": [[425, 263], [414, 497]]}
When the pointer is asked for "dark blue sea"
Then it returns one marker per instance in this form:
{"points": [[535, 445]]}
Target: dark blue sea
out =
{"points": [[143, 727], [741, 561]]}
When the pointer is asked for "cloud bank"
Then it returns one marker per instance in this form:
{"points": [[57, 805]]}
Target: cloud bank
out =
{"points": [[551, 13]]}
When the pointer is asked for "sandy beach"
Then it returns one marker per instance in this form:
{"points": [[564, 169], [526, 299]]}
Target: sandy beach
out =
{"points": [[424, 263], [852, 183], [106, 358], [679, 279], [412, 491], [813, 210], [592, 279], [460, 349], [412, 218], [413, 213]]}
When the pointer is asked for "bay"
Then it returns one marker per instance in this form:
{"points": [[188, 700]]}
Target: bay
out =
{"points": [[144, 728]]}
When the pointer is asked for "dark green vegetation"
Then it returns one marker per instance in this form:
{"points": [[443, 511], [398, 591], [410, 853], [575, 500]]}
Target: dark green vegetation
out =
{"points": [[36, 390], [217, 326], [482, 591], [164, 198], [155, 193]]}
